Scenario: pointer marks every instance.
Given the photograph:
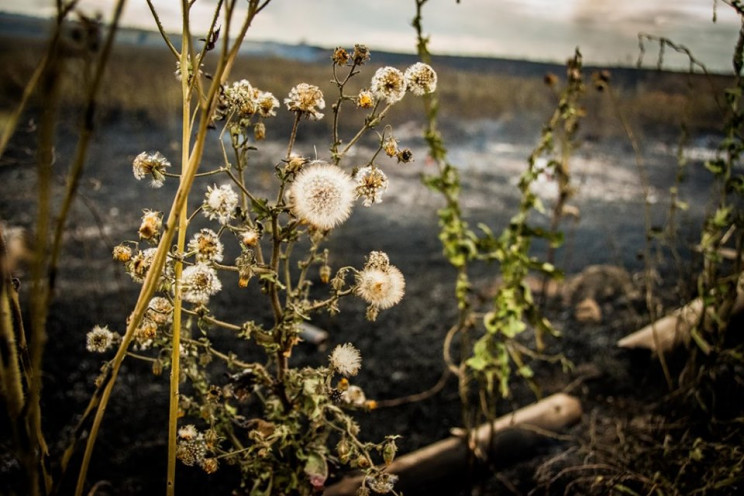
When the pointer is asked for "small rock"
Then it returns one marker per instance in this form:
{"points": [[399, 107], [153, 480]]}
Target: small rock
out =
{"points": [[587, 310]]}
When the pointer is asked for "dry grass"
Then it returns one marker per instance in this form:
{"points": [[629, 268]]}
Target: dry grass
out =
{"points": [[139, 84]]}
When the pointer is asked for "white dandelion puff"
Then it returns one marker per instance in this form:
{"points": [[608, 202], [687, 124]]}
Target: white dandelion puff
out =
{"points": [[150, 164], [220, 203], [207, 246], [371, 183], [305, 98], [198, 283], [99, 339], [322, 194], [381, 288], [421, 79], [388, 84], [346, 359]]}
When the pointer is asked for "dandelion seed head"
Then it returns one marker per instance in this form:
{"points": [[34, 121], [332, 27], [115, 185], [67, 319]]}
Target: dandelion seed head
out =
{"points": [[322, 194], [388, 84], [346, 359], [150, 164], [99, 339], [421, 79], [306, 98], [360, 55], [198, 283], [377, 260], [354, 395], [220, 203], [380, 288], [371, 183], [207, 246]]}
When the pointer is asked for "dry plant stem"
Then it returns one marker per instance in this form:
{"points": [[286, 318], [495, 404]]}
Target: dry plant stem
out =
{"points": [[182, 224], [28, 90], [100, 399], [81, 151], [166, 39], [648, 290], [372, 121]]}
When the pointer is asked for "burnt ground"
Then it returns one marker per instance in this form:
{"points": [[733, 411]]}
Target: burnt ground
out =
{"points": [[402, 351]]}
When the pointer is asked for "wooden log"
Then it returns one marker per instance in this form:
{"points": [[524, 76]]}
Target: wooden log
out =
{"points": [[673, 329], [503, 441]]}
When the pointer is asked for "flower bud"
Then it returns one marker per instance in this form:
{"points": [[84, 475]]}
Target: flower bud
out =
{"points": [[325, 273]]}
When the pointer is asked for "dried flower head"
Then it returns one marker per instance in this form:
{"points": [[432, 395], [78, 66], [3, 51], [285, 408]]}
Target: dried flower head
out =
{"points": [[380, 284], [140, 264], [259, 131], [122, 253], [404, 156], [365, 99], [145, 333], [191, 449], [304, 98], [152, 223], [267, 104], [421, 79], [322, 194], [371, 183], [250, 237], [346, 359], [151, 164], [377, 260], [160, 310], [354, 396], [390, 145], [382, 483], [99, 339], [389, 84], [360, 55], [207, 246], [199, 282], [220, 203], [340, 56]]}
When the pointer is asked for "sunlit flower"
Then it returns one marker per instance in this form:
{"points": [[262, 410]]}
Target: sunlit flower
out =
{"points": [[99, 339], [389, 84], [346, 359], [305, 98], [365, 99], [371, 183], [380, 284], [267, 104], [151, 224], [220, 203], [199, 282], [207, 246], [151, 164], [122, 253], [421, 79], [322, 194]]}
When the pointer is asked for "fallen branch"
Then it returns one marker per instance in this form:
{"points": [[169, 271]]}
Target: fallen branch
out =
{"points": [[503, 441], [673, 329]]}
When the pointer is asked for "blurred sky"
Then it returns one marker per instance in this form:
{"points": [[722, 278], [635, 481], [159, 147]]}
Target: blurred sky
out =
{"points": [[542, 30]]}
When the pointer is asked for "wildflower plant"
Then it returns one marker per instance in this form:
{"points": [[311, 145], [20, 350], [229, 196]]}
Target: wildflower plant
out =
{"points": [[286, 429]]}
